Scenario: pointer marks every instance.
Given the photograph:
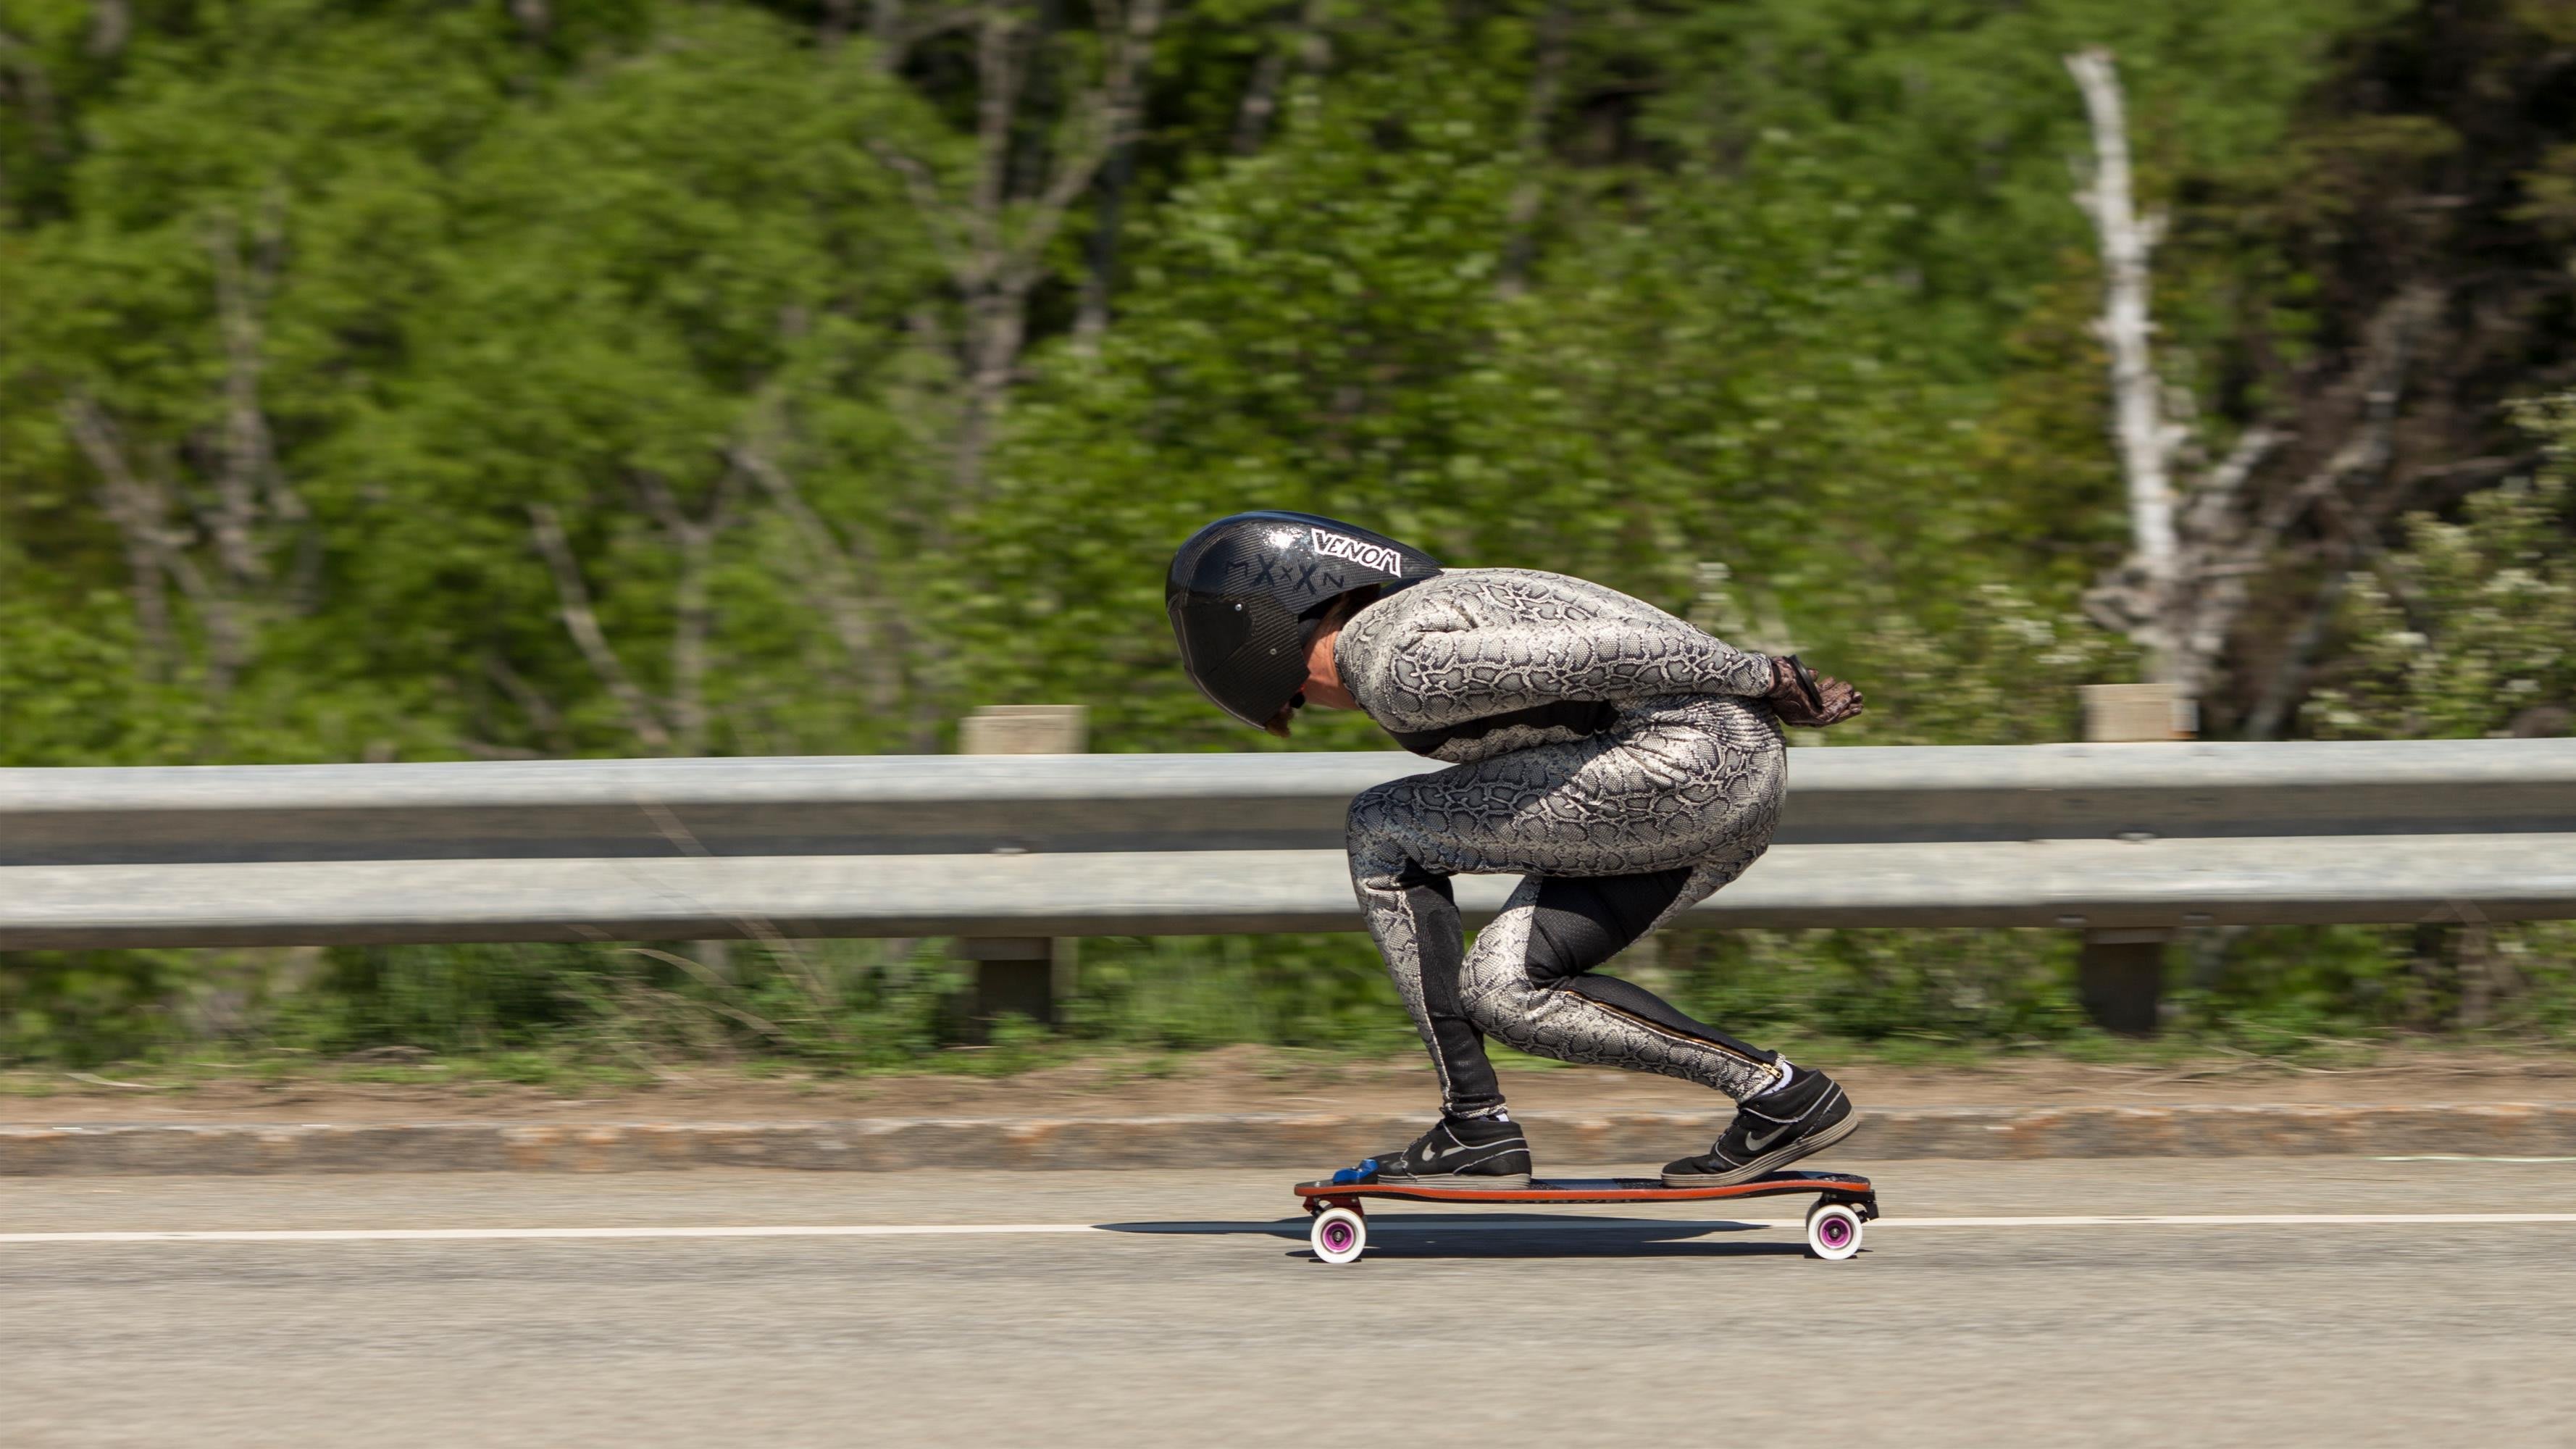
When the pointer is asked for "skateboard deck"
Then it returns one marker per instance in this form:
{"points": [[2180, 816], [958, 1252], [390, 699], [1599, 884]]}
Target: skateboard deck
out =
{"points": [[1844, 1201], [1595, 1189]]}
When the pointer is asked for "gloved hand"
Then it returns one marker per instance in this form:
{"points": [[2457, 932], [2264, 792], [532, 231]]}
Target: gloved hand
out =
{"points": [[1808, 700]]}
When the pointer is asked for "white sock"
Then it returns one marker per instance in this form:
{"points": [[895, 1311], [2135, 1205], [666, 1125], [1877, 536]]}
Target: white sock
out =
{"points": [[1788, 1074]]}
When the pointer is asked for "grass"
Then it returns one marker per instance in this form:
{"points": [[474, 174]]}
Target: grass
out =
{"points": [[577, 1019], [568, 1073]]}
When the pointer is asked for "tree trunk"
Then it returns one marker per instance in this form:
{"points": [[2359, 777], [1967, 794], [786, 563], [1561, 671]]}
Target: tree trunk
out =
{"points": [[1096, 282], [2138, 427], [111, 23], [1547, 78], [1304, 44]]}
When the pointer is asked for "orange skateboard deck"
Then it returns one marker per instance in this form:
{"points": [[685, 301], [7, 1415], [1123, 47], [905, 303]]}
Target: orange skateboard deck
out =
{"points": [[1844, 1202]]}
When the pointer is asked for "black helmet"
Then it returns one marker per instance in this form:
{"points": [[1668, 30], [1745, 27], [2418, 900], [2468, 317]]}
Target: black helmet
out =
{"points": [[1245, 592]]}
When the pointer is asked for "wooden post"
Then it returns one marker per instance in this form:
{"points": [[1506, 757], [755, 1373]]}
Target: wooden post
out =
{"points": [[2120, 976], [1025, 729], [1022, 975], [2135, 713]]}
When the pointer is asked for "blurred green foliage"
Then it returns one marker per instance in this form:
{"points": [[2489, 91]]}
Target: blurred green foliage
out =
{"points": [[2465, 633], [398, 379]]}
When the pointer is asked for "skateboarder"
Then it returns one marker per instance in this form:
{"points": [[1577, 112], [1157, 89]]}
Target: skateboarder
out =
{"points": [[1625, 763]]}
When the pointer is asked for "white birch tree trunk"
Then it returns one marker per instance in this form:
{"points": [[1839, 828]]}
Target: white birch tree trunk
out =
{"points": [[2139, 428]]}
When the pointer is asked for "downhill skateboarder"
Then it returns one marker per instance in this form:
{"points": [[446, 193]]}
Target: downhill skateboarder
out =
{"points": [[1624, 762]]}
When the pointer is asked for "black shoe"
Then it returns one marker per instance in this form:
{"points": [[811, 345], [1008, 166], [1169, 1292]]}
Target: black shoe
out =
{"points": [[1461, 1152], [1770, 1132]]}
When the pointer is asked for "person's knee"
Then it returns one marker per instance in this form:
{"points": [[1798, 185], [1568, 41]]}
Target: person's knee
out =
{"points": [[1371, 821], [1365, 838], [1371, 807]]}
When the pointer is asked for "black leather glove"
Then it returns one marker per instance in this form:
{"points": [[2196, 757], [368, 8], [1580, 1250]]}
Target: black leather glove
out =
{"points": [[1808, 700]]}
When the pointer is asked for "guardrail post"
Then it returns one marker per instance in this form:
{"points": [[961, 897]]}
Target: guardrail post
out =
{"points": [[1016, 974], [1025, 975], [2119, 978]]}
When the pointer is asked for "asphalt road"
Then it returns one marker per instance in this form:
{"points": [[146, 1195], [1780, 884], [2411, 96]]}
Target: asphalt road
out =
{"points": [[1200, 1319]]}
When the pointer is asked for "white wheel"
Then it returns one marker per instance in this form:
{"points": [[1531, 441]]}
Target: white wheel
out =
{"points": [[1833, 1231], [1339, 1235]]}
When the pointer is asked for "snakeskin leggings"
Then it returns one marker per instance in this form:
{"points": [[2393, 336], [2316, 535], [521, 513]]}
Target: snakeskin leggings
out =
{"points": [[1615, 832]]}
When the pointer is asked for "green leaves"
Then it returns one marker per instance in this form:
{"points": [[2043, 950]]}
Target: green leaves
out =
{"points": [[648, 274], [404, 379], [2464, 633], [463, 282]]}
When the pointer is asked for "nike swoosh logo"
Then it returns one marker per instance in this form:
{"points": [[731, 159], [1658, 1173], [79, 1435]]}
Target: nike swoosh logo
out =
{"points": [[1757, 1144]]}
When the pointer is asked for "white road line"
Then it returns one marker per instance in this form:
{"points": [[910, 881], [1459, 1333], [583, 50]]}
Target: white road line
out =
{"points": [[1383, 1222], [2455, 1157], [438, 1235], [2231, 1220]]}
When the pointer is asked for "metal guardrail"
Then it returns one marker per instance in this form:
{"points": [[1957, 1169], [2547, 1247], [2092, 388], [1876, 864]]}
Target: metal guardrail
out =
{"points": [[2097, 836]]}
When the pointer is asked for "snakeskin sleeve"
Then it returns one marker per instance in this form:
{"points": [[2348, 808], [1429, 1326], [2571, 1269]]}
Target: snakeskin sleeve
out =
{"points": [[1516, 653]]}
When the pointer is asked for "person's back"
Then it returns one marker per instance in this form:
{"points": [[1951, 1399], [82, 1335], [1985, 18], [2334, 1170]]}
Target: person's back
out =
{"points": [[1478, 662], [1625, 762]]}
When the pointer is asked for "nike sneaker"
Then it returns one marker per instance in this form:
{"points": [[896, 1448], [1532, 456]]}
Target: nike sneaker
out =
{"points": [[1461, 1152], [1770, 1131]]}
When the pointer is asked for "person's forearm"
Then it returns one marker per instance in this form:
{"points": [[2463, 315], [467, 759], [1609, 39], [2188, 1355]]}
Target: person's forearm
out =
{"points": [[1472, 673]]}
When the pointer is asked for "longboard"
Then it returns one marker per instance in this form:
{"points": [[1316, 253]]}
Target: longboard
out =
{"points": [[1844, 1201]]}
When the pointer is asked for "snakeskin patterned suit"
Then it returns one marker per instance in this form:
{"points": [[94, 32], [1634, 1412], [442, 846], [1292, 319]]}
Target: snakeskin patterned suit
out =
{"points": [[1620, 759]]}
